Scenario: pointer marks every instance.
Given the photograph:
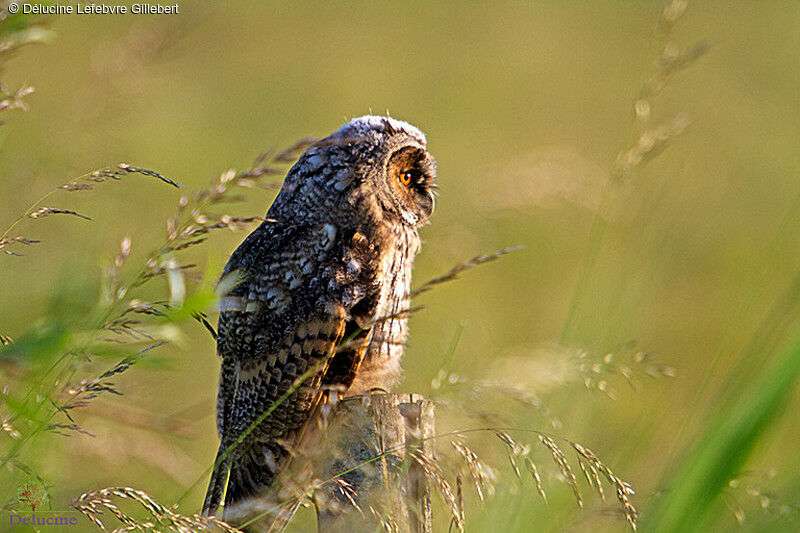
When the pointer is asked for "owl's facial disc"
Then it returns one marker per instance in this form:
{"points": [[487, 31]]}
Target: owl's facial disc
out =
{"points": [[411, 175]]}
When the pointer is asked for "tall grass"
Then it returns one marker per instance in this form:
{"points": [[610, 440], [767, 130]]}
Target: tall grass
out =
{"points": [[499, 442], [53, 383]]}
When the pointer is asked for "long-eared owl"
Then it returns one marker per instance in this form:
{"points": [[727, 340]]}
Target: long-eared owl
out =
{"points": [[322, 288]]}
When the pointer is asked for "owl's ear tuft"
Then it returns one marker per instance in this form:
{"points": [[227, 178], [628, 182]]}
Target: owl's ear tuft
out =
{"points": [[388, 128]]}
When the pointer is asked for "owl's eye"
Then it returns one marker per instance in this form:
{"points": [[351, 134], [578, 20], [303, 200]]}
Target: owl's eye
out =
{"points": [[407, 177]]}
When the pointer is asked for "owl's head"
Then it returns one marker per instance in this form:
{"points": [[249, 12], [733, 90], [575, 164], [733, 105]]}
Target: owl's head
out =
{"points": [[376, 165]]}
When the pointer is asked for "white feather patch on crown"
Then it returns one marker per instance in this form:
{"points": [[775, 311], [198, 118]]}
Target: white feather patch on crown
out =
{"points": [[363, 124]]}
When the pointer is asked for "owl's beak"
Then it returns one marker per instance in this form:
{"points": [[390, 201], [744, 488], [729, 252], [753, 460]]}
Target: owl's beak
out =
{"points": [[427, 203]]}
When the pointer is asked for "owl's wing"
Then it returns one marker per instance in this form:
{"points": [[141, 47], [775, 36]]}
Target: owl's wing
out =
{"points": [[299, 297], [280, 330], [273, 399]]}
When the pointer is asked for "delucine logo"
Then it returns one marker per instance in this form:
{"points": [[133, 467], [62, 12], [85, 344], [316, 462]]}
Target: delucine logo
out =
{"points": [[50, 519], [33, 496]]}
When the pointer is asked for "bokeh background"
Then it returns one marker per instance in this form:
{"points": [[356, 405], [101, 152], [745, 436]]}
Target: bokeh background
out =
{"points": [[526, 106]]}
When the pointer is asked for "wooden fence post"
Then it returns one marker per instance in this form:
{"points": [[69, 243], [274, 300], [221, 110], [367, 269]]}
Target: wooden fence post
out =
{"points": [[370, 453]]}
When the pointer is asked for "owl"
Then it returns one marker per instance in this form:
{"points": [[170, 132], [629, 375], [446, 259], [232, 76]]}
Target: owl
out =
{"points": [[320, 301]]}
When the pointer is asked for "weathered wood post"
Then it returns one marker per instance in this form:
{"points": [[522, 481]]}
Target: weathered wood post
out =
{"points": [[370, 456]]}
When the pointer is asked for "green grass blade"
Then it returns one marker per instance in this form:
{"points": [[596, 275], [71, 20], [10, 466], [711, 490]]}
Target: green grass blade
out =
{"points": [[725, 447]]}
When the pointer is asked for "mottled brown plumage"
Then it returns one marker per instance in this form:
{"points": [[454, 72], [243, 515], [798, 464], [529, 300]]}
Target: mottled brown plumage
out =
{"points": [[323, 284]]}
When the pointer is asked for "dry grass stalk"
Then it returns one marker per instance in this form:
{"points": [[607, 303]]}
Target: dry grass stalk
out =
{"points": [[626, 362], [14, 100], [4, 241], [587, 476], [474, 399], [622, 488], [537, 480], [81, 394], [94, 504], [434, 473], [47, 211], [561, 460], [515, 449], [188, 227], [192, 221], [81, 183], [593, 478], [480, 473], [648, 145], [8, 428], [386, 521], [458, 269], [766, 500], [671, 61], [672, 13], [591, 467], [460, 498], [346, 490], [115, 173]]}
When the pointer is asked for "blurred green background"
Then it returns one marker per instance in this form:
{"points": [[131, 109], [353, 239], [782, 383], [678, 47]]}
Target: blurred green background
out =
{"points": [[526, 105]]}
